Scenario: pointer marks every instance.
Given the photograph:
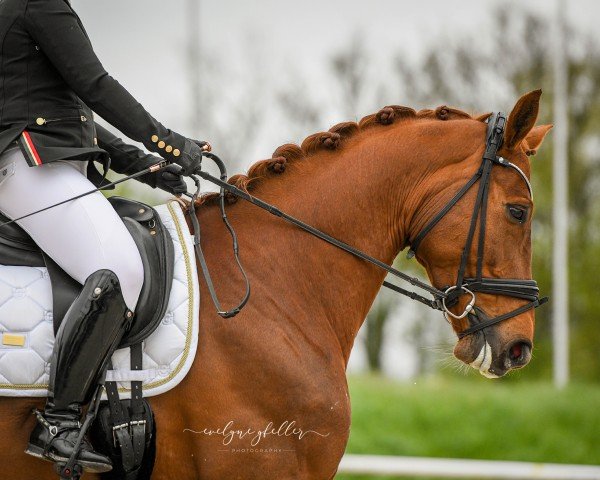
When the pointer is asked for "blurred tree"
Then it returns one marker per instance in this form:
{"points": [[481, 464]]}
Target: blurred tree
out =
{"points": [[232, 106], [484, 74], [374, 328], [302, 114], [350, 67]]}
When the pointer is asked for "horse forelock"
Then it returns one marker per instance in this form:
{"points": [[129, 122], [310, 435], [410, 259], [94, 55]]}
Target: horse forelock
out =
{"points": [[332, 140]]}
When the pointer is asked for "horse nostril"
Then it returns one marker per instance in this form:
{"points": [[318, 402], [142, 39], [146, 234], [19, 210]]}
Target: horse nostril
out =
{"points": [[519, 353]]}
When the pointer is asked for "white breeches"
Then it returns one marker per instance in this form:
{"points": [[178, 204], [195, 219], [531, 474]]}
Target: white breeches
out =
{"points": [[81, 236]]}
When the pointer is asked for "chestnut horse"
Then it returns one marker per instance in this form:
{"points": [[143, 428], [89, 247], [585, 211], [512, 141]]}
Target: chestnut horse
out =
{"points": [[267, 396]]}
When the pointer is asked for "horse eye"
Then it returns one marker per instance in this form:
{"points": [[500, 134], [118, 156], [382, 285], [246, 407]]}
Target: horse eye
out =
{"points": [[517, 213]]}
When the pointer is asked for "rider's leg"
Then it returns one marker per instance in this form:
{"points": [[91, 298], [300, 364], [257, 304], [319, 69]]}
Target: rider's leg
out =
{"points": [[87, 239], [87, 337], [81, 236]]}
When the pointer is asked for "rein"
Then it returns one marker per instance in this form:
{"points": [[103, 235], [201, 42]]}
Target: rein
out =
{"points": [[443, 299]]}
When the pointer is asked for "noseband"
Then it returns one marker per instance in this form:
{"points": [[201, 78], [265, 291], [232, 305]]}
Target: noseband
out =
{"points": [[516, 288]]}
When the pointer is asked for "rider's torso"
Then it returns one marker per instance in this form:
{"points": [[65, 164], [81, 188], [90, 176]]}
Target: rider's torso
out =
{"points": [[33, 94]]}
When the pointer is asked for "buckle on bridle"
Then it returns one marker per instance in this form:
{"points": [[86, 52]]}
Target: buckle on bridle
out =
{"points": [[468, 308]]}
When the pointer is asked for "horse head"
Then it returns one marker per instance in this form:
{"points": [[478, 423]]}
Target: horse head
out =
{"points": [[500, 246]]}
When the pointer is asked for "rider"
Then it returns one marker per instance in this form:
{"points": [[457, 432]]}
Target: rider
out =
{"points": [[50, 81]]}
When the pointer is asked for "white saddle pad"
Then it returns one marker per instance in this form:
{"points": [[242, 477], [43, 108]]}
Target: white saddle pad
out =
{"points": [[27, 331]]}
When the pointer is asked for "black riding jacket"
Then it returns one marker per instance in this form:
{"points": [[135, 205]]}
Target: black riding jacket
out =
{"points": [[51, 80]]}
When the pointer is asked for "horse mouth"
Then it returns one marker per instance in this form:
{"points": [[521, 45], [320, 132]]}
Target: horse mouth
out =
{"points": [[483, 362]]}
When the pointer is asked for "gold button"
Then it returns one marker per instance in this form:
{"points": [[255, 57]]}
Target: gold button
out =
{"points": [[154, 138], [161, 144], [176, 152], [40, 120], [169, 149]]}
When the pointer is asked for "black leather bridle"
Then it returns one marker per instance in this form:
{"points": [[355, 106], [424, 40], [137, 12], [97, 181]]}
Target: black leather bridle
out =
{"points": [[443, 299], [516, 288]]}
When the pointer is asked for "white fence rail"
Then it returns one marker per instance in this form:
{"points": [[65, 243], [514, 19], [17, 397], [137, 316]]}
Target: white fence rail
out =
{"points": [[454, 468]]}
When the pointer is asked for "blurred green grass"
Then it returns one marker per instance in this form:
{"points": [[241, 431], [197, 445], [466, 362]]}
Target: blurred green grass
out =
{"points": [[474, 418]]}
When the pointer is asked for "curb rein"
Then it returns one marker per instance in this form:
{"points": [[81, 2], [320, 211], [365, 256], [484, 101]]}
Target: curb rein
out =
{"points": [[443, 299]]}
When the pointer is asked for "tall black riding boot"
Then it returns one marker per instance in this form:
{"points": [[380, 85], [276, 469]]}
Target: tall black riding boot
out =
{"points": [[86, 339]]}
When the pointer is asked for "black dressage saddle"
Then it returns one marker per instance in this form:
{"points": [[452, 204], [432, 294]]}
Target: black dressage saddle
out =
{"points": [[156, 249]]}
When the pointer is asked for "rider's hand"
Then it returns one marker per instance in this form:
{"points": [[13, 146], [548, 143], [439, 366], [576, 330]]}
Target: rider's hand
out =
{"points": [[169, 179], [191, 157]]}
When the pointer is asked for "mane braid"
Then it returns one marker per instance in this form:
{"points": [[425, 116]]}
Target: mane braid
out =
{"points": [[331, 140]]}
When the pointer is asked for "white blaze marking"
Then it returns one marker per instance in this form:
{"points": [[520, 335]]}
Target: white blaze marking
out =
{"points": [[483, 362]]}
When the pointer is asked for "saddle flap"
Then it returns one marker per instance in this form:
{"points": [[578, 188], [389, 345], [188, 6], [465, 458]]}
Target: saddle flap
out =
{"points": [[157, 253], [138, 211]]}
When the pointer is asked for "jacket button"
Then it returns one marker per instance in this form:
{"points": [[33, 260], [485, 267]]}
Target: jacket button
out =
{"points": [[40, 120], [154, 138], [169, 149], [176, 152], [161, 144], [95, 141], [83, 119]]}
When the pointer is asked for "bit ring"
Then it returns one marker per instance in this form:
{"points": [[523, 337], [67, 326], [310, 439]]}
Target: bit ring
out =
{"points": [[468, 307]]}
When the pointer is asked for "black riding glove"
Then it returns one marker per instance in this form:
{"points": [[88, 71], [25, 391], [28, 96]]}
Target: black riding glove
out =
{"points": [[191, 157], [169, 179]]}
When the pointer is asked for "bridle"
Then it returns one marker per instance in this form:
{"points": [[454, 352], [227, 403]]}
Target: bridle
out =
{"points": [[443, 299], [516, 288]]}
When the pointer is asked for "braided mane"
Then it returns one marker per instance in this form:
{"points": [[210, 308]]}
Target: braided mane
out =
{"points": [[330, 140]]}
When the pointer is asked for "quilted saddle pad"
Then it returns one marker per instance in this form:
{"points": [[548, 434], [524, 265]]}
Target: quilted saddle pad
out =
{"points": [[27, 331]]}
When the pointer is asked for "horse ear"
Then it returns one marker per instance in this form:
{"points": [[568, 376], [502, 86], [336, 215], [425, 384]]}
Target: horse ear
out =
{"points": [[522, 119], [535, 137]]}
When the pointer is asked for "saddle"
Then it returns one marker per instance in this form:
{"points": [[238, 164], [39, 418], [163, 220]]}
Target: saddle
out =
{"points": [[131, 448], [156, 250]]}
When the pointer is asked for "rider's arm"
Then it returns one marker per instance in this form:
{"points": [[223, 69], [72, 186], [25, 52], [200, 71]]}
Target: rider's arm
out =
{"points": [[61, 37], [124, 158], [128, 159]]}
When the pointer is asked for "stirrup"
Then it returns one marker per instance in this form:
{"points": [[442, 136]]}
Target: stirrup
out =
{"points": [[66, 472]]}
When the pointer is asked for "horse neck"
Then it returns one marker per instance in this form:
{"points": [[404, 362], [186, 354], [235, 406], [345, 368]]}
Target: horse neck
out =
{"points": [[363, 194]]}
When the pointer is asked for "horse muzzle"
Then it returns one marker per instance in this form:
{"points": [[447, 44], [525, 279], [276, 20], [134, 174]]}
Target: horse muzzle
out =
{"points": [[490, 365]]}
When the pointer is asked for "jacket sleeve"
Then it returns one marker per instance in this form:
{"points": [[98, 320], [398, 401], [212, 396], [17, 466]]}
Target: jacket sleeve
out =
{"points": [[125, 158], [61, 37]]}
